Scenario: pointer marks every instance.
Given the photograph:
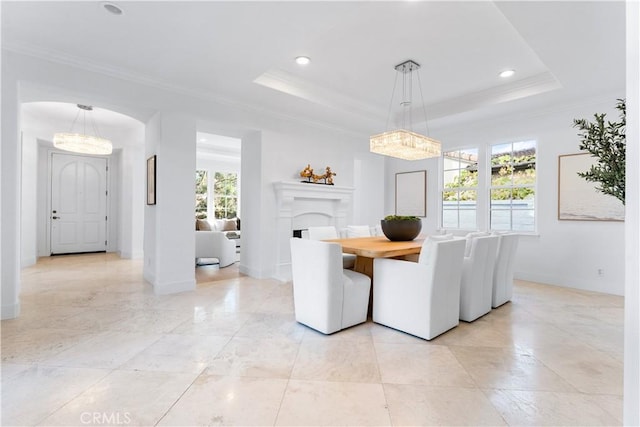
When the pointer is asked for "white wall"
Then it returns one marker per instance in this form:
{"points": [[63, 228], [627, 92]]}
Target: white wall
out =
{"points": [[10, 152], [170, 263], [206, 161], [251, 256], [153, 132], [572, 251], [631, 416], [369, 182], [29, 193], [132, 201]]}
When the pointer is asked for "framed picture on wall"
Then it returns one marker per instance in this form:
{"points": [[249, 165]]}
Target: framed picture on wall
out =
{"points": [[578, 199], [411, 193], [151, 180]]}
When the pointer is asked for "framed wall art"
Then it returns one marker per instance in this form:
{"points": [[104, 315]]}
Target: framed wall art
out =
{"points": [[151, 180], [578, 199], [411, 193]]}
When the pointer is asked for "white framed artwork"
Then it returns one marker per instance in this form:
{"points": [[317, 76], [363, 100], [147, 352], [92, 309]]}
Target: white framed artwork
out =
{"points": [[411, 193], [578, 199]]}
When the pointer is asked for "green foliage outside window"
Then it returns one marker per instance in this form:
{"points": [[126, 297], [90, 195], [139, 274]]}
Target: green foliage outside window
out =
{"points": [[225, 195], [225, 190], [516, 172], [466, 178], [507, 170], [507, 176], [201, 194]]}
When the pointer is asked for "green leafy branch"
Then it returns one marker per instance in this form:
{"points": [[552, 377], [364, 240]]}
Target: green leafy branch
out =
{"points": [[606, 141]]}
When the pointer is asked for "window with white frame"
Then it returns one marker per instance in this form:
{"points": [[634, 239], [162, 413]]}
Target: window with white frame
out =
{"points": [[223, 192], [460, 189], [225, 195], [513, 186]]}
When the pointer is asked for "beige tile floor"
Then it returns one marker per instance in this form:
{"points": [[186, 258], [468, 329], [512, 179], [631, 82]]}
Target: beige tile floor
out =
{"points": [[95, 346]]}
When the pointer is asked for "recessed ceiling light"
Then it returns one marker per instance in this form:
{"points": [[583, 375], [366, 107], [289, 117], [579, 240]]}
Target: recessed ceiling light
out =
{"points": [[112, 8], [203, 140], [302, 60], [507, 73]]}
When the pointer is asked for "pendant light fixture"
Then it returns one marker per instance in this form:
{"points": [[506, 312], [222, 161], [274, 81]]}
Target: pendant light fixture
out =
{"points": [[405, 143], [83, 142]]}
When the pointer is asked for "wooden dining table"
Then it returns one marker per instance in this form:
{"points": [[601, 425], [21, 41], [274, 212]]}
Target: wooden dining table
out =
{"points": [[368, 248]]}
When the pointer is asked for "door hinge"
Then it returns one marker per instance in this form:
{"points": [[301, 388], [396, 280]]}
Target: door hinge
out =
{"points": [[105, 243], [107, 168], [106, 193], [105, 217]]}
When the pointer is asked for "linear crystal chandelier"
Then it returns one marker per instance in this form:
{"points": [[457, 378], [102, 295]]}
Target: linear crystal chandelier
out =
{"points": [[82, 142], [405, 143]]}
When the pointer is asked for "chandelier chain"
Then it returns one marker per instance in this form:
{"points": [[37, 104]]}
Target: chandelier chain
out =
{"points": [[95, 128], [424, 108], [393, 92], [73, 123]]}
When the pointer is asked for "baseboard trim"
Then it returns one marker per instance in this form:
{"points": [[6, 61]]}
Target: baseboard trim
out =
{"points": [[10, 311], [173, 288], [131, 255], [582, 284], [255, 273], [283, 272], [28, 262]]}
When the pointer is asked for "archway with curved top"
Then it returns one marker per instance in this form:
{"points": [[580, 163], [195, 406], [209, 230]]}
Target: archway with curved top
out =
{"points": [[125, 176]]}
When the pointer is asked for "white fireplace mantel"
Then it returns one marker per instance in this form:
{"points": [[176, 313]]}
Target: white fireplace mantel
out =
{"points": [[288, 191], [300, 205]]}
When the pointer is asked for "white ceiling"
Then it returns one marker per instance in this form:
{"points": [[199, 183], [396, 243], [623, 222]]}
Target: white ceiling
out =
{"points": [[243, 52]]}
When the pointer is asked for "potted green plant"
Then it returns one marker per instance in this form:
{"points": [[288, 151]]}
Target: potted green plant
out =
{"points": [[401, 227]]}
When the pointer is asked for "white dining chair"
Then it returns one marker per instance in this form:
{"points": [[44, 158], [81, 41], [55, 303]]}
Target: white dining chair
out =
{"points": [[476, 284], [423, 298], [354, 231], [330, 232], [326, 297], [323, 232], [503, 270]]}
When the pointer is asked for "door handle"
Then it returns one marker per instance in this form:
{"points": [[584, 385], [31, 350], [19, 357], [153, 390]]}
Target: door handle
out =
{"points": [[55, 217]]}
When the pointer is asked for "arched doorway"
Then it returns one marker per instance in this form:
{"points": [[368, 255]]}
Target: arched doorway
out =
{"points": [[124, 185]]}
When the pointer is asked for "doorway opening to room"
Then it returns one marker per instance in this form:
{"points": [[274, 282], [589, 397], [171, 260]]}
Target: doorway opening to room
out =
{"points": [[74, 203], [217, 193]]}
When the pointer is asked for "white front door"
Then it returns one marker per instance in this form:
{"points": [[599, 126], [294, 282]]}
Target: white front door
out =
{"points": [[78, 203]]}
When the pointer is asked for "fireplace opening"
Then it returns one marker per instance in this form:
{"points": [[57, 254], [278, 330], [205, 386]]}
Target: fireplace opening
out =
{"points": [[298, 233]]}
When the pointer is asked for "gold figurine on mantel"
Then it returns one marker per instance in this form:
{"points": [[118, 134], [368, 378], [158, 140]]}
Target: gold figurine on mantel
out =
{"points": [[313, 178]]}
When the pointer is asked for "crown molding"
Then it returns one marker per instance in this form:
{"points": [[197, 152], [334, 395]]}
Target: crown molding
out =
{"points": [[75, 62], [523, 88], [288, 83], [529, 114]]}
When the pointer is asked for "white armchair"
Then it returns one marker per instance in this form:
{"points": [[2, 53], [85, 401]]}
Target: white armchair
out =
{"points": [[214, 244], [476, 286], [503, 271], [326, 297], [423, 298], [323, 232], [358, 231], [330, 232]]}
